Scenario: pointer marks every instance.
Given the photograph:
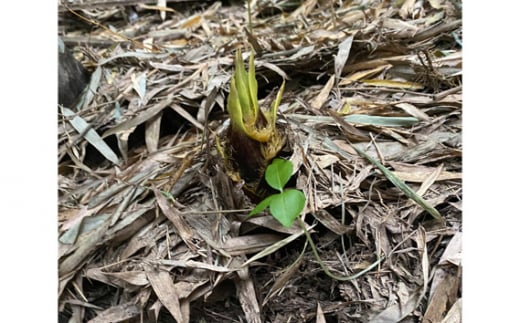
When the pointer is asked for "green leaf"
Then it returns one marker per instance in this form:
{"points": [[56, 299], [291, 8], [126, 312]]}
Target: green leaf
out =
{"points": [[402, 186], [278, 173], [261, 206], [285, 207]]}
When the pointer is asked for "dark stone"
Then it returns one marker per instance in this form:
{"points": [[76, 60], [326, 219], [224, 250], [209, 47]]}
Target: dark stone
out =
{"points": [[72, 77]]}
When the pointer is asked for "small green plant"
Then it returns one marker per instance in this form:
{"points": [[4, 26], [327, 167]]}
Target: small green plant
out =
{"points": [[289, 203]]}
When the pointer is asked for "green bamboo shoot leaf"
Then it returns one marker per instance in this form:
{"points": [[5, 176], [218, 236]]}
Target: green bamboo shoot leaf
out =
{"points": [[275, 104], [234, 109], [242, 85], [285, 207], [253, 85], [278, 173], [261, 206]]}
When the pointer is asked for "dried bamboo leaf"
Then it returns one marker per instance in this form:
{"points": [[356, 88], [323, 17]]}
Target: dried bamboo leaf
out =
{"points": [[162, 284], [282, 280], [122, 143], [272, 248], [152, 132], [136, 278], [129, 195], [209, 101], [342, 56], [381, 121], [63, 282], [132, 221], [331, 223], [186, 290], [182, 228], [429, 180], [394, 84], [173, 67], [249, 243], [320, 99], [117, 313], [194, 265], [139, 85], [421, 176], [399, 310], [177, 108], [271, 223], [420, 239], [443, 293], [273, 68], [92, 88], [436, 30], [324, 161], [162, 4], [454, 315], [118, 188], [304, 9], [400, 28], [435, 18], [453, 252], [246, 293], [140, 118], [385, 150], [413, 111], [321, 35], [86, 245], [138, 55], [436, 4], [145, 237], [360, 75], [320, 317], [90, 135], [71, 218], [301, 52], [407, 9], [82, 227], [353, 17]]}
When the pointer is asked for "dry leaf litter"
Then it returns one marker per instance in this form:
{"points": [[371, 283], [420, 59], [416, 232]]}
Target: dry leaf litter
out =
{"points": [[152, 229]]}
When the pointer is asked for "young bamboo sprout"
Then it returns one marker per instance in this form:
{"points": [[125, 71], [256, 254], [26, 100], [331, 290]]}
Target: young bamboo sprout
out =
{"points": [[253, 138]]}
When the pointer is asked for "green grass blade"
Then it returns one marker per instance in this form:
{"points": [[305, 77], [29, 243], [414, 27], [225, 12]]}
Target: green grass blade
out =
{"points": [[402, 186]]}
